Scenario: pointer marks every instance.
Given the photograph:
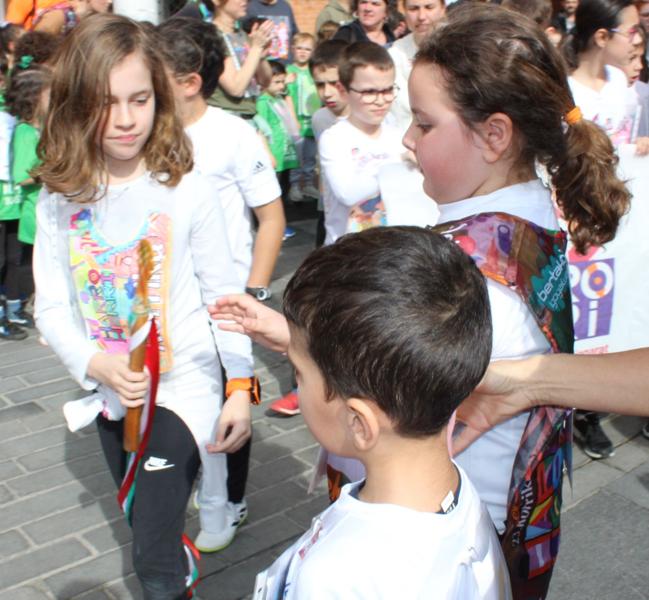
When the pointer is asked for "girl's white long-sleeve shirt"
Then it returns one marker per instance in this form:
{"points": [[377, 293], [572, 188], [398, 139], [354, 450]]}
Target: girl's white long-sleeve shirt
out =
{"points": [[85, 269]]}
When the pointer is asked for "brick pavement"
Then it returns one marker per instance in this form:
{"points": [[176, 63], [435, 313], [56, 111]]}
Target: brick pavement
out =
{"points": [[62, 535]]}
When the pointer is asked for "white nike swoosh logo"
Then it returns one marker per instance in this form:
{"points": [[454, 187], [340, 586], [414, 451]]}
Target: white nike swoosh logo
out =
{"points": [[152, 466]]}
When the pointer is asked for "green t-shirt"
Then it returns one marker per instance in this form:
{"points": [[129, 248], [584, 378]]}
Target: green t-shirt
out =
{"points": [[272, 119], [10, 197], [23, 159], [305, 97]]}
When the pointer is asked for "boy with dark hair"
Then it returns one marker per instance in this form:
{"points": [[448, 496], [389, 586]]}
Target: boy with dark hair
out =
{"points": [[228, 151], [354, 150], [389, 330]]}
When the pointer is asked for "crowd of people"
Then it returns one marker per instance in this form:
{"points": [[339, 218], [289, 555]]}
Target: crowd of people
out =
{"points": [[501, 125]]}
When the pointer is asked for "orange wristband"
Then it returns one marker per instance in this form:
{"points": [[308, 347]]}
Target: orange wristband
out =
{"points": [[247, 384]]}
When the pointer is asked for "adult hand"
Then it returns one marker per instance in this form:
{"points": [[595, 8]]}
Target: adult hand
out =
{"points": [[499, 397], [112, 370], [261, 34], [234, 424], [241, 313]]}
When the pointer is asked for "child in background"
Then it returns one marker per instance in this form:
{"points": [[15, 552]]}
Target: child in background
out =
{"points": [[352, 151], [117, 169], [244, 183], [326, 31], [389, 331], [27, 100], [324, 70], [276, 120], [9, 35], [304, 97]]}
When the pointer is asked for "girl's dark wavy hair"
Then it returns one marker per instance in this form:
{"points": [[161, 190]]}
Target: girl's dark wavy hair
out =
{"points": [[24, 90], [494, 60]]}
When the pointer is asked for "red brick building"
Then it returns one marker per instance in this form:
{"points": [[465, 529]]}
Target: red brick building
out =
{"points": [[306, 12]]}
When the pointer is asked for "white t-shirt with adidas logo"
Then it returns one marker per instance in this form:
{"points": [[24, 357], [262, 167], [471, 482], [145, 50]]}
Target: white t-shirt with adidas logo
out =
{"points": [[228, 152]]}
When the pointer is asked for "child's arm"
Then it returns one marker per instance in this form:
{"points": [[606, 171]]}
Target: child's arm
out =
{"points": [[348, 183], [236, 81], [268, 242], [217, 277], [244, 314]]}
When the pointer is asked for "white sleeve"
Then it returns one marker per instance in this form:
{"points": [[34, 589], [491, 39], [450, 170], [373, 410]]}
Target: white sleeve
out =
{"points": [[54, 313], [349, 184], [214, 267], [254, 172]]}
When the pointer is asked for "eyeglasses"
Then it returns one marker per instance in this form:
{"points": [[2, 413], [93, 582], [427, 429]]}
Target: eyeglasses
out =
{"points": [[630, 34], [371, 96]]}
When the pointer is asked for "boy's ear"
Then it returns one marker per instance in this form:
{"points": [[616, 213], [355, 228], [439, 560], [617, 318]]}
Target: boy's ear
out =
{"points": [[601, 37], [498, 132], [363, 423]]}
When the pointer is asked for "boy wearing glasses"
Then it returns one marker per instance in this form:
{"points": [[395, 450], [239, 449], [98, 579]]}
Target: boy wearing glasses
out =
{"points": [[353, 150]]}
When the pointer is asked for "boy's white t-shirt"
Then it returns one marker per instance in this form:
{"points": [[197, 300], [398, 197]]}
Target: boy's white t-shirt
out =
{"points": [[608, 107], [360, 550], [350, 162], [228, 152]]}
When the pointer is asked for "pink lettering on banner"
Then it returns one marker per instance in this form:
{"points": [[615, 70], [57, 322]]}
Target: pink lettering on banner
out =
{"points": [[592, 286]]}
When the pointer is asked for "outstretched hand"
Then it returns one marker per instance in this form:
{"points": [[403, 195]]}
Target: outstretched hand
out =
{"points": [[498, 397], [241, 313]]}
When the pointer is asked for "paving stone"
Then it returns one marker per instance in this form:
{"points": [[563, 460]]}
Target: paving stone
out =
{"points": [[110, 536], [30, 366], [21, 356], [129, 587], [55, 403], [288, 423], [22, 411], [25, 593], [621, 428], [90, 574], [5, 494], [38, 392], [303, 514], [9, 384], [282, 445], [604, 551], [98, 594], [26, 510], [41, 561], [72, 520], [49, 419], [12, 542], [630, 455], [274, 499], [9, 469], [58, 454], [79, 469], [237, 581], [277, 471], [633, 486], [261, 430], [35, 441], [12, 430], [587, 481], [3, 403], [43, 375]]}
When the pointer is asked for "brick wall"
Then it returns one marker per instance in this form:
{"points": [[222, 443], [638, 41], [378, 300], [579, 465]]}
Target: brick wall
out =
{"points": [[306, 12]]}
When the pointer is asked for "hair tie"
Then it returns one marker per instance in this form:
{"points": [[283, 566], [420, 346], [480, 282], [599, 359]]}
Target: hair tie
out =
{"points": [[25, 61], [573, 115]]}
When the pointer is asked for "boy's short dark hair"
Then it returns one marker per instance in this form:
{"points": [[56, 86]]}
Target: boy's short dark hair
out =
{"points": [[328, 55], [397, 315], [363, 54], [193, 46], [276, 68]]}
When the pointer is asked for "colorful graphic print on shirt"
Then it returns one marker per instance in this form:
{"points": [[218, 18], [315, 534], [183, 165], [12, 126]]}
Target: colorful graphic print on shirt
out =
{"points": [[105, 279]]}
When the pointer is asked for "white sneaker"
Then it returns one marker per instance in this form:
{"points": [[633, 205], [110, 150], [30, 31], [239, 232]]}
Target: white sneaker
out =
{"points": [[213, 542]]}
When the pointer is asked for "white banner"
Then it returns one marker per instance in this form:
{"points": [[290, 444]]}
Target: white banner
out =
{"points": [[610, 284]]}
